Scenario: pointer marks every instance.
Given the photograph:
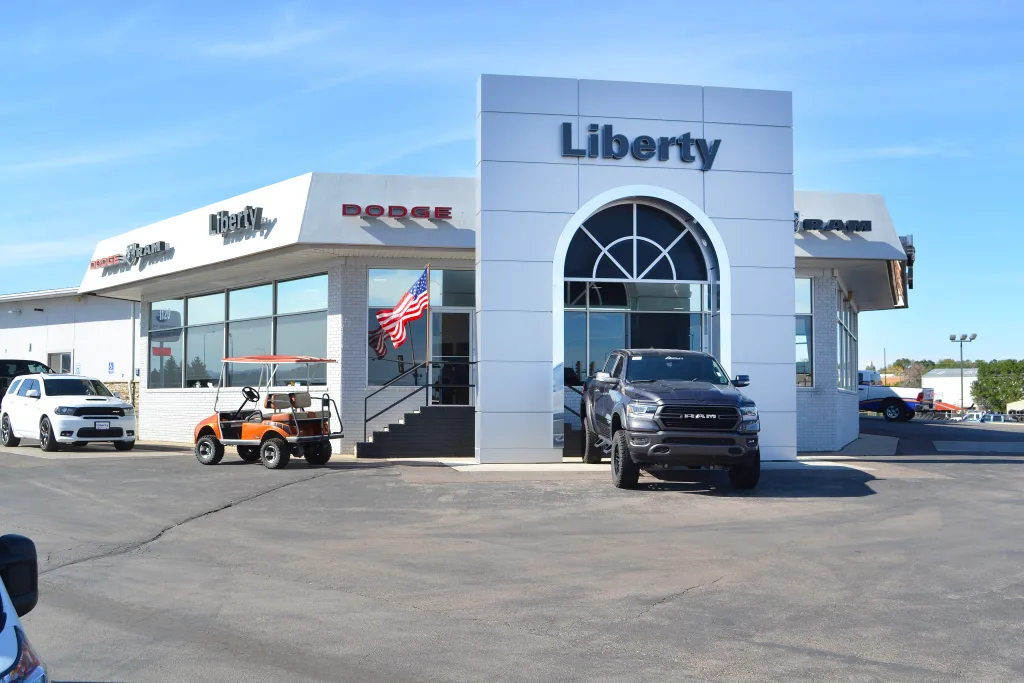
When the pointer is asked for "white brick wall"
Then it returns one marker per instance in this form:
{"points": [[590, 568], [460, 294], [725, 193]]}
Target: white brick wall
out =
{"points": [[827, 418], [172, 414]]}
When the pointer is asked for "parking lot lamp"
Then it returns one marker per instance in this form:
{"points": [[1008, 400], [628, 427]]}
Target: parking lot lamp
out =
{"points": [[964, 339]]}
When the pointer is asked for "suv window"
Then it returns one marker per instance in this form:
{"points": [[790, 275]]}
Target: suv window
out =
{"points": [[75, 387], [27, 386], [14, 387]]}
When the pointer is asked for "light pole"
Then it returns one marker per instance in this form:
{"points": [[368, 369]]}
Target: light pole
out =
{"points": [[964, 339]]}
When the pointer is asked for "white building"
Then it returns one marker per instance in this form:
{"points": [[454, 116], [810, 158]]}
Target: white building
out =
{"points": [[71, 332], [602, 215], [947, 385]]}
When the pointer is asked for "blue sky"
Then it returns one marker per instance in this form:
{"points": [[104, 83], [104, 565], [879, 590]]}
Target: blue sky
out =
{"points": [[114, 115]]}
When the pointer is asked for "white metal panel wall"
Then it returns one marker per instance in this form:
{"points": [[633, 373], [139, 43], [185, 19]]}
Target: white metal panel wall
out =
{"points": [[528, 193]]}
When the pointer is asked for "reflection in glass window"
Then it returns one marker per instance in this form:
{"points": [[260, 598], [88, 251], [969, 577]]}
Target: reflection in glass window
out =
{"points": [[804, 334], [304, 334], [248, 338], [306, 294], [382, 370], [166, 315], [204, 309], [846, 342], [251, 302], [204, 345], [165, 359]]}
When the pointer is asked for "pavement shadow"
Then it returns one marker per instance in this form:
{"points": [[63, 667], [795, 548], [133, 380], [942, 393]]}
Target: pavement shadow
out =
{"points": [[793, 480], [953, 459]]}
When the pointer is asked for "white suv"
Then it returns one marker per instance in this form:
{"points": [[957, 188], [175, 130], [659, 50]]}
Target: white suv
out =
{"points": [[65, 409]]}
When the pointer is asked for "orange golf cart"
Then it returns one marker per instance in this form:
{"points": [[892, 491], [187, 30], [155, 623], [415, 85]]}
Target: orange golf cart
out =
{"points": [[281, 421]]}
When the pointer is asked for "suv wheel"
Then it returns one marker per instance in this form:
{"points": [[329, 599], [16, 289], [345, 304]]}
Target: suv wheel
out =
{"points": [[745, 476], [892, 410], [274, 453], [47, 442], [249, 453], [625, 472], [591, 450], [124, 445], [7, 434], [209, 449]]}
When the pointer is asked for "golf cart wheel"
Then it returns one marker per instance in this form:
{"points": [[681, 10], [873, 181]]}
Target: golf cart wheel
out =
{"points": [[47, 441], [249, 453], [209, 449], [892, 410], [317, 455], [7, 433], [124, 445], [746, 476], [625, 472], [275, 453]]}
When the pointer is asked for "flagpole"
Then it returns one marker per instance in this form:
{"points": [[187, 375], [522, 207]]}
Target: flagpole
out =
{"points": [[429, 316]]}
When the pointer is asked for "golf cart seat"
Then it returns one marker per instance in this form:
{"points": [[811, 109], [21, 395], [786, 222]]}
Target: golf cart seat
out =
{"points": [[298, 400]]}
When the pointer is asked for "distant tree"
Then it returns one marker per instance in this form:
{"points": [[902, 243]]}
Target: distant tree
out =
{"points": [[871, 366], [902, 363], [912, 375], [947, 363], [197, 371], [999, 382]]}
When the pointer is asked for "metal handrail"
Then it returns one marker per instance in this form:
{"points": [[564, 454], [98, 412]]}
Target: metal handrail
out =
{"points": [[571, 387], [422, 364]]}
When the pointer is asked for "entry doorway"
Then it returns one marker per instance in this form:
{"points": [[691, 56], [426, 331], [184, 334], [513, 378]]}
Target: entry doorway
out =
{"points": [[452, 371]]}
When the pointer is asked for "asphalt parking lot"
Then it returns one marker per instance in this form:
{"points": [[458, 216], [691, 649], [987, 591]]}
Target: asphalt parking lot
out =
{"points": [[884, 568]]}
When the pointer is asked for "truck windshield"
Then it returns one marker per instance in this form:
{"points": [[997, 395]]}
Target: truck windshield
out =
{"points": [[75, 387], [679, 368]]}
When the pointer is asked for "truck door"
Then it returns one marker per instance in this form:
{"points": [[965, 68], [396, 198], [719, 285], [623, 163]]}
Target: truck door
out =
{"points": [[604, 401]]}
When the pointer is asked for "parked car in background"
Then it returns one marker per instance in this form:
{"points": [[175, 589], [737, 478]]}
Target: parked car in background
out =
{"points": [[19, 592], [993, 418], [973, 416], [12, 367], [894, 403], [65, 409]]}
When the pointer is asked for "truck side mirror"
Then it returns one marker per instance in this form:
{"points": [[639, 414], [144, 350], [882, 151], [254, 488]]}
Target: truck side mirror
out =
{"points": [[602, 377], [19, 570], [32, 393], [741, 381]]}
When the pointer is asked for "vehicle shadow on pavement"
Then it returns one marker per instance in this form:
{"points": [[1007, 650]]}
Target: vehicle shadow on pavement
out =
{"points": [[792, 481], [952, 459]]}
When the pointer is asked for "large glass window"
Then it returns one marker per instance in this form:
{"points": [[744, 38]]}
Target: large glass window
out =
{"points": [[804, 334], [385, 288], [846, 343], [189, 337]]}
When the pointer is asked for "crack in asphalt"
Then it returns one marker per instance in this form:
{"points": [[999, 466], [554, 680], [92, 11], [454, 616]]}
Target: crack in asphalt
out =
{"points": [[124, 549], [673, 596]]}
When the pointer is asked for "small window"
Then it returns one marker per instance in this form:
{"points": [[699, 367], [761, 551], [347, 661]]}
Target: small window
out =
{"points": [[13, 389], [609, 362], [59, 362], [617, 368], [307, 294], [201, 310], [27, 386]]}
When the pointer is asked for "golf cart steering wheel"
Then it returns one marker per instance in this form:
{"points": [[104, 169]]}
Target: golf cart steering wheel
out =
{"points": [[248, 394]]}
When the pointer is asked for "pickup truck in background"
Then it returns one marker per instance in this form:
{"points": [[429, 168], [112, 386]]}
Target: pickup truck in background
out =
{"points": [[894, 403]]}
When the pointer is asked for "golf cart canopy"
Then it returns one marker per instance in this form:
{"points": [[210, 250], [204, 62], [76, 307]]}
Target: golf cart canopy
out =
{"points": [[262, 360]]}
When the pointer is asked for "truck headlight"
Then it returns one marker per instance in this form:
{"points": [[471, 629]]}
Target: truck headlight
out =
{"points": [[641, 408], [64, 410], [749, 422], [748, 413], [28, 668]]}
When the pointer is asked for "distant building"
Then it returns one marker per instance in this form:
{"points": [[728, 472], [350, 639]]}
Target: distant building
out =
{"points": [[946, 383]]}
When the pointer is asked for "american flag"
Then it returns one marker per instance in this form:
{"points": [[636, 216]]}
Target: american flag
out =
{"points": [[410, 306], [377, 343]]}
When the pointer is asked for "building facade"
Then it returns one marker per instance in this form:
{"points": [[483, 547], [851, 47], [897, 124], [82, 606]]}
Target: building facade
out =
{"points": [[602, 215]]}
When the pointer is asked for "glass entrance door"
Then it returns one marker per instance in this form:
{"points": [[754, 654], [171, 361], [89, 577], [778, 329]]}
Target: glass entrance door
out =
{"points": [[452, 348]]}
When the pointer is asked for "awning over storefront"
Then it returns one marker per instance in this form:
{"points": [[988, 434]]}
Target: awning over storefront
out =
{"points": [[853, 235]]}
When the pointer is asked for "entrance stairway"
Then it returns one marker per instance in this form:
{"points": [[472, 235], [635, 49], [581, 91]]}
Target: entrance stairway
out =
{"points": [[430, 432]]}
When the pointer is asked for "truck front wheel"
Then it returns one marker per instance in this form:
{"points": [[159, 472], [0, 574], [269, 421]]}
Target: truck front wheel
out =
{"points": [[892, 410], [746, 476], [625, 472]]}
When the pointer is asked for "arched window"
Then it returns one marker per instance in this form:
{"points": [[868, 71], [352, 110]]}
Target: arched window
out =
{"points": [[636, 242]]}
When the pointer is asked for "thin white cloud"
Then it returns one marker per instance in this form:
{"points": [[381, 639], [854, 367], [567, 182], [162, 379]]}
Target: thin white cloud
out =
{"points": [[274, 46], [115, 152]]}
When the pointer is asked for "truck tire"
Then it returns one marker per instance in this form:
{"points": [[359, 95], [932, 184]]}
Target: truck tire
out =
{"points": [[746, 476], [625, 472], [209, 449], [274, 453], [893, 410], [249, 453], [592, 452]]}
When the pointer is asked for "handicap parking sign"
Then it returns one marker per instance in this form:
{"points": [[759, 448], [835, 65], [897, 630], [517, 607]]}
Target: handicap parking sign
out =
{"points": [[110, 368]]}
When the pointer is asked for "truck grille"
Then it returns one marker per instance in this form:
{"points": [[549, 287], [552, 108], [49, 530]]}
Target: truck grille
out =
{"points": [[90, 433], [704, 418], [98, 410]]}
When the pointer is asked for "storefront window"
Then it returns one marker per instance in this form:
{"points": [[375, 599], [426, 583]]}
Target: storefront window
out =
{"points": [[846, 343], [804, 334], [300, 321], [385, 287]]}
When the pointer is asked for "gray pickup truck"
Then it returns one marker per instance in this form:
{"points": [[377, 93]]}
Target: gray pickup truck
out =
{"points": [[667, 407]]}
